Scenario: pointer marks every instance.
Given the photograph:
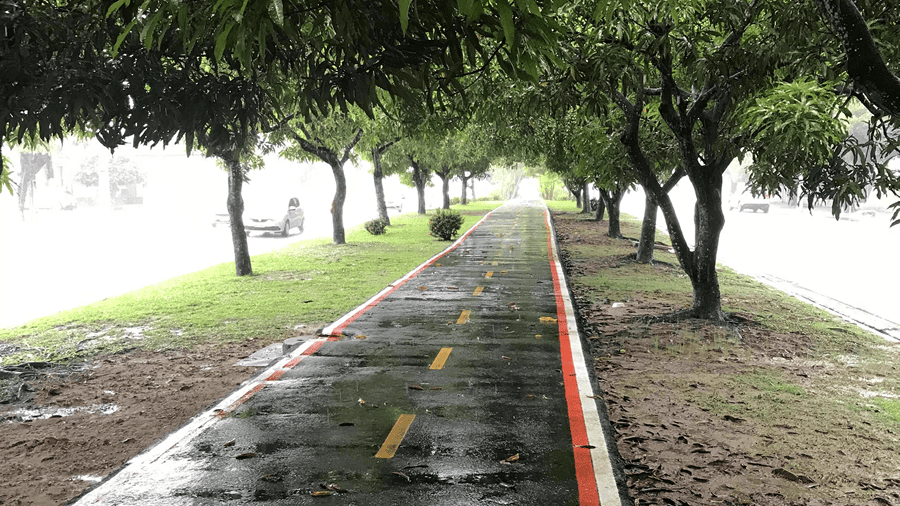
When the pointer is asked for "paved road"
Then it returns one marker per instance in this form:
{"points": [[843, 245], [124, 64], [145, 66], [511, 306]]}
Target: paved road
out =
{"points": [[463, 383]]}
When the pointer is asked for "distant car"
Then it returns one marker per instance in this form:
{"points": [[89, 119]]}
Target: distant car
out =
{"points": [[395, 204], [262, 218], [746, 201]]}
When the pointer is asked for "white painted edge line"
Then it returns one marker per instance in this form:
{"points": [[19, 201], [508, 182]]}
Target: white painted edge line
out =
{"points": [[327, 331], [607, 489], [186, 433]]}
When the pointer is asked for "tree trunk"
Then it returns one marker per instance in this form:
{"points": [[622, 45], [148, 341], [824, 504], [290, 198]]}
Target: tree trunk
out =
{"points": [[612, 201], [419, 180], [601, 211], [648, 230], [465, 183], [577, 193], [337, 205], [699, 264], [31, 163], [472, 189], [710, 221], [235, 205], [378, 176], [585, 198], [444, 174]]}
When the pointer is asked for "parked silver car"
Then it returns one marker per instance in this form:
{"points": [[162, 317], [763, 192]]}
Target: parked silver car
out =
{"points": [[262, 218]]}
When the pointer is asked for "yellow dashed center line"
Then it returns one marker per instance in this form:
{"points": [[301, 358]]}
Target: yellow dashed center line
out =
{"points": [[389, 448], [489, 274], [478, 291], [463, 317], [441, 358]]}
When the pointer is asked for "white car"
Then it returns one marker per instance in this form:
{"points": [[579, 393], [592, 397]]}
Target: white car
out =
{"points": [[395, 204], [261, 217], [747, 201]]}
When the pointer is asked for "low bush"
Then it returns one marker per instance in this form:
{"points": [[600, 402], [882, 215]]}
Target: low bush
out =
{"points": [[445, 224], [455, 200], [376, 226]]}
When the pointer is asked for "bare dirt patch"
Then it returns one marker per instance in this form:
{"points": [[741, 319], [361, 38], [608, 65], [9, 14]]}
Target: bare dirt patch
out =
{"points": [[103, 413], [751, 413]]}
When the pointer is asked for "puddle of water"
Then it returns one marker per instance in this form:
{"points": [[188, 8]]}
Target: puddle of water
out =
{"points": [[27, 415]]}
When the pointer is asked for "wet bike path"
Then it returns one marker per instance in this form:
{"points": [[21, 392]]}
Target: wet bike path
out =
{"points": [[463, 383]]}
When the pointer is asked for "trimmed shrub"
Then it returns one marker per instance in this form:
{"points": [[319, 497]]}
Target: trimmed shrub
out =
{"points": [[376, 226], [455, 200], [445, 224]]}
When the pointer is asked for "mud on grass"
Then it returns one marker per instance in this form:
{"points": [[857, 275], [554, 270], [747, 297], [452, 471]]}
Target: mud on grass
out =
{"points": [[786, 406]]}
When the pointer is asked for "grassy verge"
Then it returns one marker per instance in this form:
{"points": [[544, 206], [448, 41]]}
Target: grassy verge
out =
{"points": [[789, 404], [309, 283]]}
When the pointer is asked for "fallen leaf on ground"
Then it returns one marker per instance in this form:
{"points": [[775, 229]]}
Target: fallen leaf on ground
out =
{"points": [[415, 387], [398, 473], [514, 458], [334, 487], [787, 475], [360, 401], [504, 357], [248, 455], [230, 443], [321, 493]]}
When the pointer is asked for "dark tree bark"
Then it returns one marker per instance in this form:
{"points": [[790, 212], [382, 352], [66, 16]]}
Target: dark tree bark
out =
{"points": [[876, 85], [235, 203], [574, 187], [419, 178], [647, 243], [612, 199], [585, 198], [336, 163], [337, 205], [648, 230], [465, 186], [444, 174], [31, 163], [699, 264], [378, 176], [600, 211]]}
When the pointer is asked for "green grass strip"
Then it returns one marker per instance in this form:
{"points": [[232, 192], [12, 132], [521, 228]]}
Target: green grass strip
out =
{"points": [[311, 282]]}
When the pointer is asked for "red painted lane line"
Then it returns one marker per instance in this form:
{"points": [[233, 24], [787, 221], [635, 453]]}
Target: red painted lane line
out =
{"points": [[584, 467], [356, 313]]}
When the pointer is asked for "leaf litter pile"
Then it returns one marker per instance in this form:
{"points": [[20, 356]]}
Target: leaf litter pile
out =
{"points": [[784, 405]]}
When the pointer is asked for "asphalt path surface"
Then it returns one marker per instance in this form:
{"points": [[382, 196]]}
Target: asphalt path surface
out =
{"points": [[462, 383]]}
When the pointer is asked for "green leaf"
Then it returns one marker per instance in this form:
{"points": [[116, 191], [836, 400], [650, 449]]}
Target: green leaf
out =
{"points": [[404, 14], [147, 31], [506, 20], [276, 12], [115, 6], [121, 37], [221, 40], [467, 9]]}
